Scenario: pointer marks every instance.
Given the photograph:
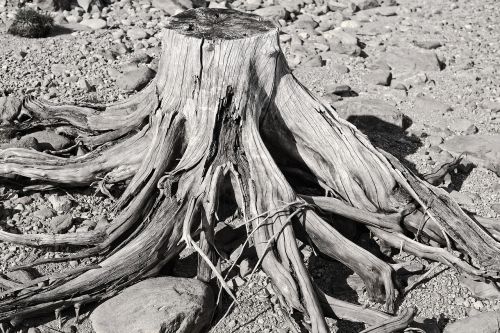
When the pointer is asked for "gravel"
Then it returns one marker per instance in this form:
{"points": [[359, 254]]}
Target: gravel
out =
{"points": [[436, 62]]}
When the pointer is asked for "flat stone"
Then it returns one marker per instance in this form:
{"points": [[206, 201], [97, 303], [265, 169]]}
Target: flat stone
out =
{"points": [[371, 114], [276, 12], [404, 60], [135, 79], [313, 61], [48, 140], [343, 36], [365, 4], [482, 150], [379, 77], [137, 34], [424, 104], [164, 304], [94, 24], [428, 44], [463, 126]]}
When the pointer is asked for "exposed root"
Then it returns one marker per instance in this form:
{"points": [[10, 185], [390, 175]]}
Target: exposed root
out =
{"points": [[225, 107]]}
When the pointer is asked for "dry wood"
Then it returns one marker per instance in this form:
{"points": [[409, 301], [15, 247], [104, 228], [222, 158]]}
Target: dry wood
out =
{"points": [[225, 110]]}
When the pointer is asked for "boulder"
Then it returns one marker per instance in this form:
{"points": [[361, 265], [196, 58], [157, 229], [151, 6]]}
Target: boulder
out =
{"points": [[486, 322], [164, 304], [481, 149], [370, 114]]}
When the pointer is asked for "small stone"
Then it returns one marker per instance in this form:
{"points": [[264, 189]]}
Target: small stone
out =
{"points": [[435, 140], [137, 34], [496, 208], [350, 24], [342, 90], [425, 104], [61, 223], [60, 203], [463, 126], [44, 213], [313, 61], [341, 69], [48, 140], [84, 85], [33, 330], [245, 267], [94, 24], [276, 12], [135, 79], [371, 114], [380, 77], [428, 44]]}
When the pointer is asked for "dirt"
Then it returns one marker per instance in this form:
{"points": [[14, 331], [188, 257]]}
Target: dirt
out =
{"points": [[465, 88]]}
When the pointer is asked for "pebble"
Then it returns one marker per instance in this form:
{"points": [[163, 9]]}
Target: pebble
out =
{"points": [[94, 23], [137, 34]]}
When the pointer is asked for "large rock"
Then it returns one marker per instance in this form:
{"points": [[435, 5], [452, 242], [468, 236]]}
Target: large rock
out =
{"points": [[135, 79], [165, 304], [370, 114], [481, 149], [403, 60], [486, 322]]}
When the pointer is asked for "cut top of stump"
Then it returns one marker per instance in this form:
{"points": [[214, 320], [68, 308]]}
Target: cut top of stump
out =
{"points": [[218, 23]]}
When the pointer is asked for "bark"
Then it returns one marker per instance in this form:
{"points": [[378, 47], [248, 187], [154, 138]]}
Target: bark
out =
{"points": [[224, 109]]}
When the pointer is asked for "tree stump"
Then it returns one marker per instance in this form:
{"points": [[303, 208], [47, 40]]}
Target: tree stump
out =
{"points": [[225, 109]]}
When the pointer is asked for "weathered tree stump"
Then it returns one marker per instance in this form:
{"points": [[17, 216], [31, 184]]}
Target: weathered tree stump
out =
{"points": [[223, 109]]}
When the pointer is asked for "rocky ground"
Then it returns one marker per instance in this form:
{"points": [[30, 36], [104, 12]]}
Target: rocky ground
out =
{"points": [[420, 78]]}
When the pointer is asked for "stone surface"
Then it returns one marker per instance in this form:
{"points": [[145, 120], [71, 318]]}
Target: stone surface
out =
{"points": [[370, 113], [61, 223], [487, 322], [164, 304], [481, 149], [135, 79], [272, 12], [403, 60], [60, 203], [94, 23], [48, 140], [424, 104]]}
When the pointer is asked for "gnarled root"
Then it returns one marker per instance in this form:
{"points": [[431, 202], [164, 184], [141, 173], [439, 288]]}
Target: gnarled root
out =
{"points": [[225, 107]]}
